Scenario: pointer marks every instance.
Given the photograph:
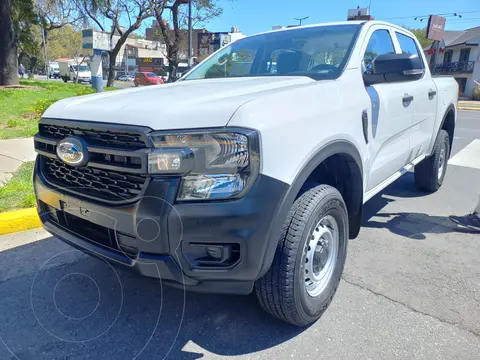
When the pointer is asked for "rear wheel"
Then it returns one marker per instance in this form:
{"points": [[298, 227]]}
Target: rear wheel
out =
{"points": [[430, 173], [309, 259], [135, 83]]}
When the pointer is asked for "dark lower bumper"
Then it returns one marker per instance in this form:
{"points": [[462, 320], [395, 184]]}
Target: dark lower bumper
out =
{"points": [[157, 239]]}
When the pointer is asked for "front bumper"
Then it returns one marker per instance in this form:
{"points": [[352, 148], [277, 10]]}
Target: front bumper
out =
{"points": [[162, 239]]}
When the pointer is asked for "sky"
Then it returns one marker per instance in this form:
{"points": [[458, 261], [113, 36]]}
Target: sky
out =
{"points": [[254, 16]]}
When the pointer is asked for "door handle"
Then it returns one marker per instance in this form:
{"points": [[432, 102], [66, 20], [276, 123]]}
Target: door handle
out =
{"points": [[407, 99], [431, 94]]}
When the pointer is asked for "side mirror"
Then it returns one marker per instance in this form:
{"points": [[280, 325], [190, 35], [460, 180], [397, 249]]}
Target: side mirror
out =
{"points": [[391, 68]]}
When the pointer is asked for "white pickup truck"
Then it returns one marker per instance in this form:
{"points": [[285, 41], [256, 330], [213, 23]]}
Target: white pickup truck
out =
{"points": [[253, 172]]}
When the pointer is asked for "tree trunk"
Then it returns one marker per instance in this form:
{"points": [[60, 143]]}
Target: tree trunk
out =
{"points": [[172, 76], [112, 58], [8, 49]]}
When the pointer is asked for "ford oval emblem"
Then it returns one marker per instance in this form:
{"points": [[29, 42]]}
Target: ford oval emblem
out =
{"points": [[72, 151]]}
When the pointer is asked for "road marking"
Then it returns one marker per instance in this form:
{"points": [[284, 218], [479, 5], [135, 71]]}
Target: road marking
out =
{"points": [[469, 156]]}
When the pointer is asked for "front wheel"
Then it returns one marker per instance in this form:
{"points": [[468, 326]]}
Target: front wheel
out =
{"points": [[430, 173], [309, 258]]}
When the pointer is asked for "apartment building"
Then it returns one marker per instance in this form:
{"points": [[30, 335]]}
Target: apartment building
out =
{"points": [[457, 55]]}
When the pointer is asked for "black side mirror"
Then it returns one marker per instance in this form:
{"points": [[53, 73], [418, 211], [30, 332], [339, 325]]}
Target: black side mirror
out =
{"points": [[391, 68]]}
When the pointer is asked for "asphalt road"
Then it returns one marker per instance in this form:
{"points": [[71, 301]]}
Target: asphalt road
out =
{"points": [[411, 290]]}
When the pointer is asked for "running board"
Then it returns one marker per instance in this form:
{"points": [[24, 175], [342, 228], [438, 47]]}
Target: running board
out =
{"points": [[392, 178]]}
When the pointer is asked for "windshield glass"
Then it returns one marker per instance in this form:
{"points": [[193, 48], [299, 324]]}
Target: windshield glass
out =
{"points": [[81, 68], [151, 75], [318, 52]]}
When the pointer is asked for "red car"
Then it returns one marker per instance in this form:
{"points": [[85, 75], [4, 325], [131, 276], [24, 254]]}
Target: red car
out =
{"points": [[147, 78]]}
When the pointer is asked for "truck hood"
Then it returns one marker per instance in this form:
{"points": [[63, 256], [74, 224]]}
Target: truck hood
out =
{"points": [[180, 105]]}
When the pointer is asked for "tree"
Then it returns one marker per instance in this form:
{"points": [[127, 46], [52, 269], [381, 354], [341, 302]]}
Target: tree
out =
{"points": [[54, 14], [421, 35], [114, 10], [30, 48], [16, 18], [66, 42], [177, 12]]}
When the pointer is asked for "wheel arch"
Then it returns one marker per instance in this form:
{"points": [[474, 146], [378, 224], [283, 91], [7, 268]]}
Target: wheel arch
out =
{"points": [[448, 123], [353, 190]]}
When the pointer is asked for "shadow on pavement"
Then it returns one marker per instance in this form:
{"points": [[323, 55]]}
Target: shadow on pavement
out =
{"points": [[414, 225], [411, 225], [88, 309]]}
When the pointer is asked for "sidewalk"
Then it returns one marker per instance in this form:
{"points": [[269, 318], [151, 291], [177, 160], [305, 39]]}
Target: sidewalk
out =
{"points": [[13, 153]]}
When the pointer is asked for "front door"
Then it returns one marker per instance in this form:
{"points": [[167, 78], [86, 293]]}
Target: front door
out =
{"points": [[391, 115], [424, 92]]}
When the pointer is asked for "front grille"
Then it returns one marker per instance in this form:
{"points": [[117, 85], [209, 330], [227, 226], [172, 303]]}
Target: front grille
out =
{"points": [[95, 183], [95, 136], [89, 231], [117, 159]]}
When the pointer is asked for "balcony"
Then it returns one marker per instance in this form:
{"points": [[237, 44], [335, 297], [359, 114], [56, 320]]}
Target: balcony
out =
{"points": [[455, 67]]}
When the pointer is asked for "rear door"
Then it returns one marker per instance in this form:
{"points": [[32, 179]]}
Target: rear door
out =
{"points": [[424, 92], [391, 113]]}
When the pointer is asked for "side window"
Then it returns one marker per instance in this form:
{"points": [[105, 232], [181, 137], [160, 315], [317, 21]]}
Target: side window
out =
{"points": [[380, 43], [408, 45]]}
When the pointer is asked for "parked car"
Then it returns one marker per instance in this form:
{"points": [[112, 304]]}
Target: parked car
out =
{"points": [[126, 78], [246, 178], [147, 78]]}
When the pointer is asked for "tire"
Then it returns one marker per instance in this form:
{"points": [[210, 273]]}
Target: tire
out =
{"points": [[430, 173], [286, 290], [64, 80], [136, 85]]}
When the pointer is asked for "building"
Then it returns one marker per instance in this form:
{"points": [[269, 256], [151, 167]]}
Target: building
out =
{"points": [[204, 42], [209, 42], [134, 55], [154, 33], [145, 56], [457, 55]]}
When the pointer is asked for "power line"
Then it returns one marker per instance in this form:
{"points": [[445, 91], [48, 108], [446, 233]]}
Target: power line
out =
{"points": [[454, 21], [423, 16]]}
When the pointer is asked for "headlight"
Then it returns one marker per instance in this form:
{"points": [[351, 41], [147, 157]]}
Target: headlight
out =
{"points": [[214, 164]]}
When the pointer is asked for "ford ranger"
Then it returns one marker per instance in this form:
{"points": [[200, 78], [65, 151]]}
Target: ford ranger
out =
{"points": [[253, 173]]}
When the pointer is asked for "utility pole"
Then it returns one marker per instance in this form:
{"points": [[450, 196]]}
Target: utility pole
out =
{"points": [[301, 19], [190, 40]]}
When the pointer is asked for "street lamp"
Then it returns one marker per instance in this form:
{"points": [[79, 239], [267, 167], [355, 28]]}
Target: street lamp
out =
{"points": [[301, 19]]}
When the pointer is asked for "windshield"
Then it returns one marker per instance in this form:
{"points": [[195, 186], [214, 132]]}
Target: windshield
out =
{"points": [[318, 52], [151, 75], [81, 68]]}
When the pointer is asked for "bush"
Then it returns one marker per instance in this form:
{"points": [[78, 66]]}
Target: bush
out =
{"points": [[476, 93]]}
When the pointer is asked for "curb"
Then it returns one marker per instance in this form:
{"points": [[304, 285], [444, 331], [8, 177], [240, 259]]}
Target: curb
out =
{"points": [[19, 220], [468, 108]]}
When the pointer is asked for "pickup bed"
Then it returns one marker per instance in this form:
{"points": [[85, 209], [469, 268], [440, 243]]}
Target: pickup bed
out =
{"points": [[253, 173]]}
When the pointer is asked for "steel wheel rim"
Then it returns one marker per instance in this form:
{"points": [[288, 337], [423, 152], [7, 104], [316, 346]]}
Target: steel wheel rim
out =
{"points": [[322, 251], [441, 161]]}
